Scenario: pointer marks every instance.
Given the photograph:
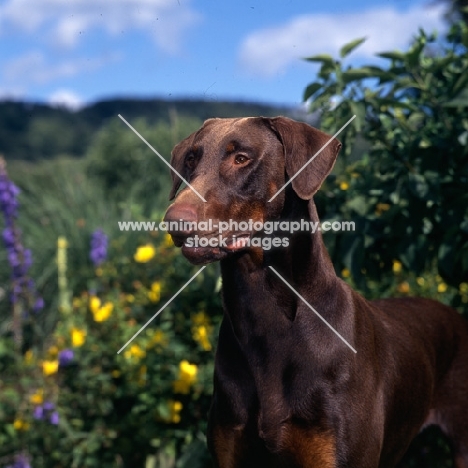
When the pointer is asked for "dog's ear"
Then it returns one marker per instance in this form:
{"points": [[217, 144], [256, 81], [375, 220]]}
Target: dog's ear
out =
{"points": [[302, 142]]}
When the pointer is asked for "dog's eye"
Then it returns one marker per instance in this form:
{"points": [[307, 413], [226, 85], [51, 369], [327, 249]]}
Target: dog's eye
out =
{"points": [[240, 159], [190, 161]]}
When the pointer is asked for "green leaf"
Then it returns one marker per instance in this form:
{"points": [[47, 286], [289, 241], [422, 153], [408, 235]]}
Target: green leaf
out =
{"points": [[395, 55], [350, 46], [355, 74], [322, 58], [311, 90]]}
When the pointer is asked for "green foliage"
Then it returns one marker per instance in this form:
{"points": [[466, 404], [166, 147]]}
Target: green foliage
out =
{"points": [[407, 194], [33, 131], [127, 168], [147, 403]]}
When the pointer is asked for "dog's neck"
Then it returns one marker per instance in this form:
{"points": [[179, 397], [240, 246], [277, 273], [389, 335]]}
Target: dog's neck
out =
{"points": [[259, 303]]}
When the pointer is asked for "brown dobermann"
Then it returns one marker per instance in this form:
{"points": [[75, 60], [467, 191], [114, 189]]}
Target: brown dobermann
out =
{"points": [[287, 392]]}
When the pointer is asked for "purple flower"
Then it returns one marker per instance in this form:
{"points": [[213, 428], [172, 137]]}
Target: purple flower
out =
{"points": [[21, 461], [65, 357], [19, 258], [49, 406], [54, 418], [38, 412], [38, 305], [98, 253]]}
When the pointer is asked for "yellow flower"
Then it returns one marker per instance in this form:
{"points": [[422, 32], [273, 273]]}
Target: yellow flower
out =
{"points": [[62, 243], [159, 338], [200, 334], [130, 298], [50, 367], [144, 253], [53, 351], [187, 377], [464, 288], [344, 186], [404, 287], [78, 337], [134, 352], [442, 287], [37, 398], [104, 312], [200, 318], [155, 294], [397, 266], [20, 425], [94, 303], [420, 280], [175, 408], [345, 273], [168, 240]]}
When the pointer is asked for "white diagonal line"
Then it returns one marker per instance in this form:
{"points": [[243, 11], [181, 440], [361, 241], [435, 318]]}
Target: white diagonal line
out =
{"points": [[316, 313], [311, 159], [161, 309], [162, 159]]}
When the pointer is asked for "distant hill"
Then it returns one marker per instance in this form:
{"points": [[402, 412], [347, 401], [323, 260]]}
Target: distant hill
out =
{"points": [[34, 131]]}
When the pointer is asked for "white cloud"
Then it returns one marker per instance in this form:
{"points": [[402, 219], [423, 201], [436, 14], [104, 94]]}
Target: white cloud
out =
{"points": [[270, 51], [66, 98], [64, 21], [34, 68]]}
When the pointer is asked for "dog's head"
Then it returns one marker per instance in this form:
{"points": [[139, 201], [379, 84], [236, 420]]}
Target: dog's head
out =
{"points": [[237, 166]]}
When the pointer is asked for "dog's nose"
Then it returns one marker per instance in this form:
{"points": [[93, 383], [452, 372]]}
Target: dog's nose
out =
{"points": [[181, 220]]}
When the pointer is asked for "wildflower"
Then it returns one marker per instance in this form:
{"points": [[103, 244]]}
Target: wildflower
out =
{"points": [[200, 334], [187, 377], [397, 266], [94, 303], [65, 357], [420, 280], [175, 408], [104, 312], [344, 186], [19, 258], [159, 338], [54, 418], [20, 425], [99, 243], [167, 242], [37, 398], [154, 294], [144, 253], [442, 287], [49, 406], [20, 461], [134, 352], [345, 273], [50, 367], [404, 287], [78, 337], [38, 412], [52, 351]]}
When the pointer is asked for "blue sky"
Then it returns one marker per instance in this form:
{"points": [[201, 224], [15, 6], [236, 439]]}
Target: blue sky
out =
{"points": [[77, 51]]}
